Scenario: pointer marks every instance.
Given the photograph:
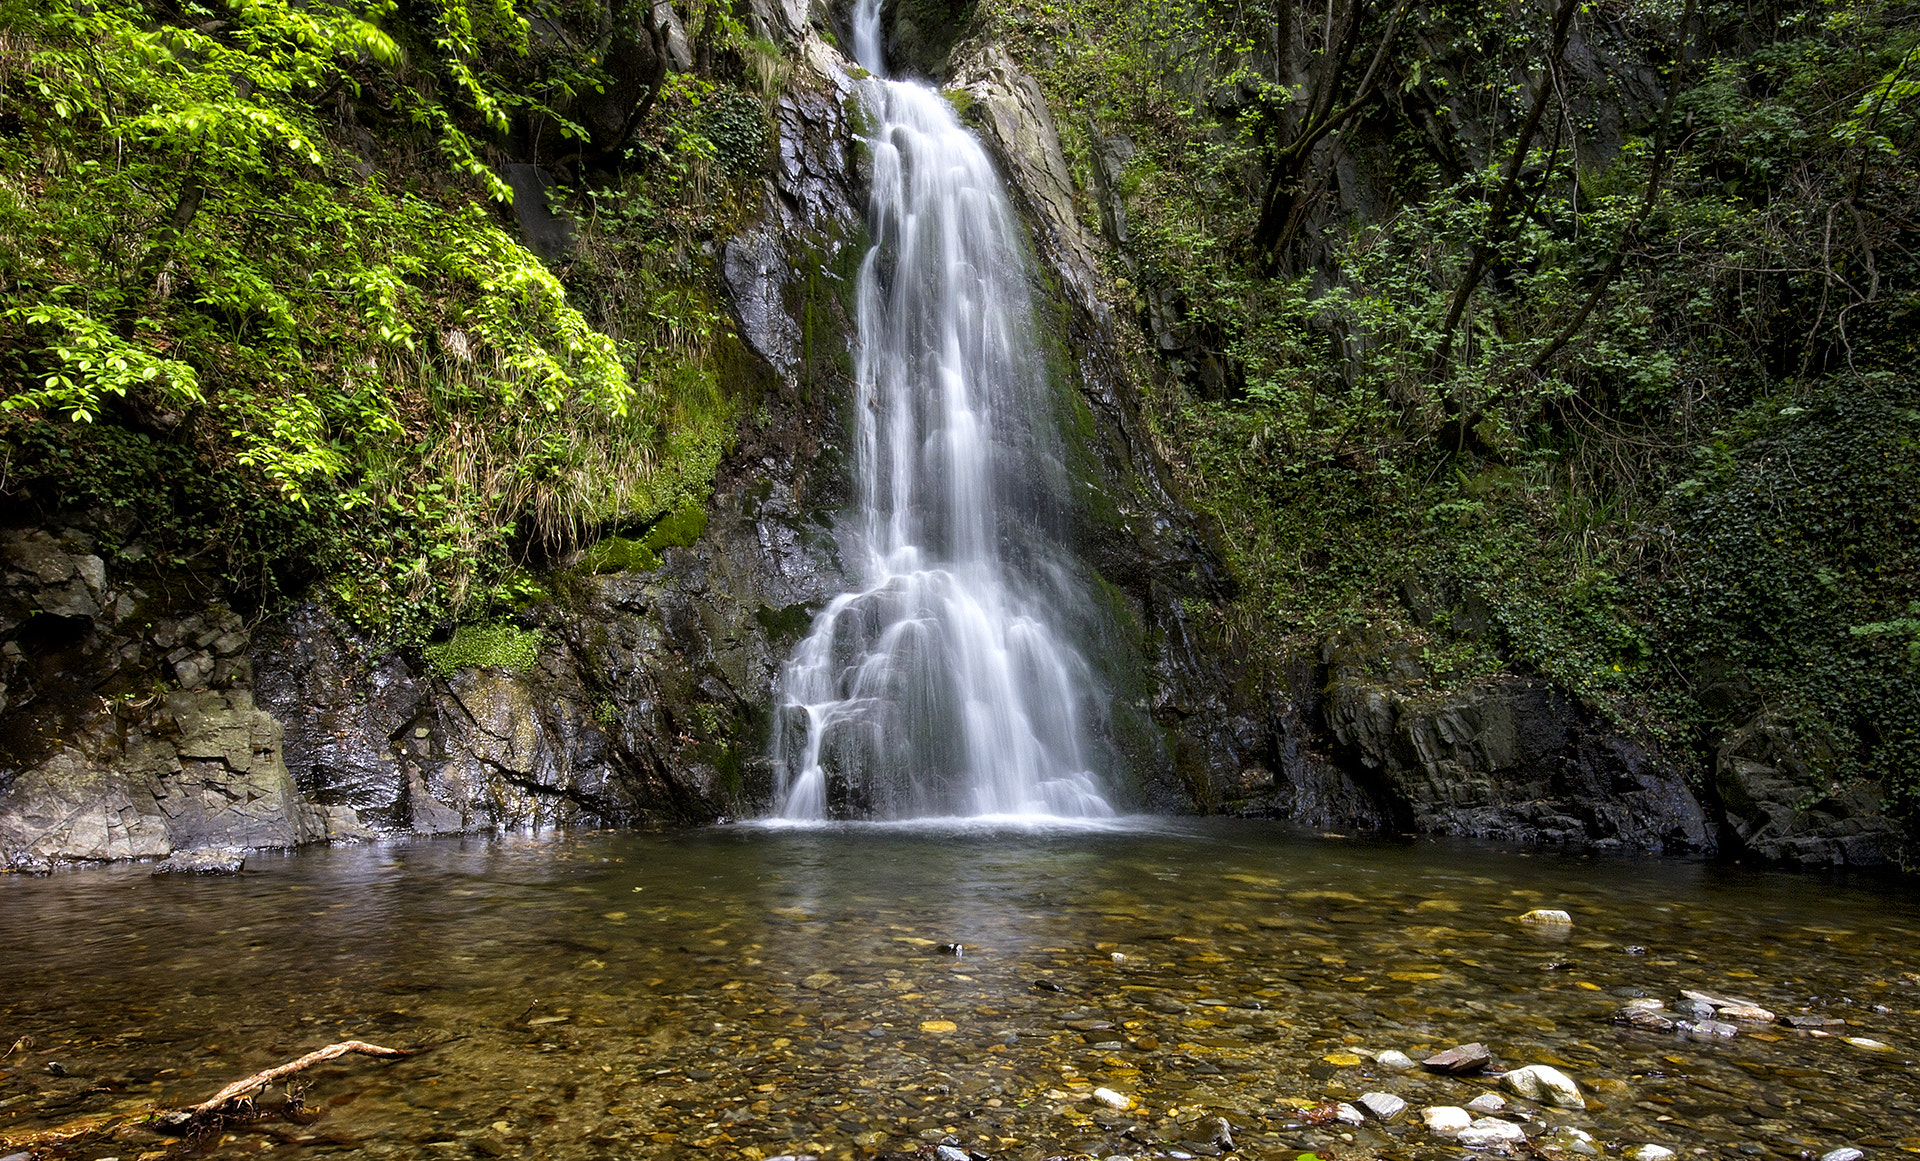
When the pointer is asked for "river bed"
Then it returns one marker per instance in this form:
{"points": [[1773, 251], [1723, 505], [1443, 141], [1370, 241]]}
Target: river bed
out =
{"points": [[750, 991]]}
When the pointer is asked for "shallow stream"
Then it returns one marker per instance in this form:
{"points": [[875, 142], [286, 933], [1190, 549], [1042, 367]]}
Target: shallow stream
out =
{"points": [[748, 992]]}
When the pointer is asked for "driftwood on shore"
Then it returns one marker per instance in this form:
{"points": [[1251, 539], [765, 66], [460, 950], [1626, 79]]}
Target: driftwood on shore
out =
{"points": [[193, 1120]]}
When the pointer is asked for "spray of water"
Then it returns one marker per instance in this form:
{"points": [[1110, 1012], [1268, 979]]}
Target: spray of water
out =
{"points": [[942, 686]]}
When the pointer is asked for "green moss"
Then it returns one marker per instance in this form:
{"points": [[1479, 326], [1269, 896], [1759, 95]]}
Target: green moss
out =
{"points": [[679, 528], [485, 647]]}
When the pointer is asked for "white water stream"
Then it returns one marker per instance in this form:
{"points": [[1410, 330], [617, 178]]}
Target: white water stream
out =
{"points": [[941, 687]]}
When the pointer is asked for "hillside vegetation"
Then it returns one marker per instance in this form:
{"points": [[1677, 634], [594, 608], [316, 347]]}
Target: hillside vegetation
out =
{"points": [[266, 316], [1573, 340]]}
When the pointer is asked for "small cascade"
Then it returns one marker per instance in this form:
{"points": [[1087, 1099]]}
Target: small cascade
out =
{"points": [[942, 687]]}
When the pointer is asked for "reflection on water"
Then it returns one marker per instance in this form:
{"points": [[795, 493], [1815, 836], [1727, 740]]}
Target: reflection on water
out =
{"points": [[753, 991]]}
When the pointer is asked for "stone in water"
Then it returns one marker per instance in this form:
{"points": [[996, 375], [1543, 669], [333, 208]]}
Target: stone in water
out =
{"points": [[1649, 1153], [1491, 1131], [1546, 1084], [1541, 917], [1384, 1105], [1445, 1120], [1112, 1099], [1461, 1059]]}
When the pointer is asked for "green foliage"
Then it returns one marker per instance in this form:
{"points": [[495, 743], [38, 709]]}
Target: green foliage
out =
{"points": [[1696, 503], [329, 323], [485, 647]]}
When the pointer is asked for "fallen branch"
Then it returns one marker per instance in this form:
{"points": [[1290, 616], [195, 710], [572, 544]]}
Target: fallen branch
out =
{"points": [[196, 1119], [268, 1076]]}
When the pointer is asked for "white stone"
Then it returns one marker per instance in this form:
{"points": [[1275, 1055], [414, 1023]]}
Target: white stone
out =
{"points": [[1844, 1153], [1869, 1045], [1546, 1084], [1649, 1153], [1752, 1013], [1491, 1131], [1112, 1099], [1384, 1105], [1394, 1059], [1446, 1120], [1487, 1102], [1350, 1115], [1545, 918]]}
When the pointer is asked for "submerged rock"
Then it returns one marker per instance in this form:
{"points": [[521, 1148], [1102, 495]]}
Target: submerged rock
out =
{"points": [[1460, 1059], [1394, 1059], [205, 861], [1645, 1018], [1112, 1099], [1649, 1153], [1491, 1131], [1541, 917], [1571, 1140], [1383, 1105], [1545, 1084]]}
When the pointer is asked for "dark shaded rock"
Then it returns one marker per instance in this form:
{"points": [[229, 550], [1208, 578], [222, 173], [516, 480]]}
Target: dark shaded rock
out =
{"points": [[1508, 758], [1782, 805], [545, 233], [1460, 1060]]}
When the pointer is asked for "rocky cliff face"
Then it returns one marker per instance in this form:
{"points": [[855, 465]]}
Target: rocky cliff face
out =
{"points": [[137, 724]]}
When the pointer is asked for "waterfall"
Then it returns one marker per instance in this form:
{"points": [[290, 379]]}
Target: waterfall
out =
{"points": [[942, 686]]}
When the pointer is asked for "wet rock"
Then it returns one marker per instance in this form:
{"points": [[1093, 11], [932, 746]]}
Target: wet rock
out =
{"points": [[1112, 1099], [950, 1153], [1541, 917], [1844, 1153], [1752, 1013], [1718, 1029], [1487, 1103], [1545, 1084], [1476, 762], [1348, 1115], [1644, 1018], [1781, 805], [1460, 1059], [205, 861], [1800, 1020], [1491, 1131], [1445, 1120], [1868, 1044], [1383, 1105], [1394, 1060], [1649, 1153], [1222, 1137], [1570, 1140]]}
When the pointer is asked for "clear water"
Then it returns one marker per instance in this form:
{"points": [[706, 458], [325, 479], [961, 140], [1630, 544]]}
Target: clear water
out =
{"points": [[747, 992], [942, 686]]}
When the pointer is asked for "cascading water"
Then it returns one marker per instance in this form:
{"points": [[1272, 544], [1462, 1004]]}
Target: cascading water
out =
{"points": [[942, 686]]}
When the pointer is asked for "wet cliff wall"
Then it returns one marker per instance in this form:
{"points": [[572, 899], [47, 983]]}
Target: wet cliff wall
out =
{"points": [[148, 712]]}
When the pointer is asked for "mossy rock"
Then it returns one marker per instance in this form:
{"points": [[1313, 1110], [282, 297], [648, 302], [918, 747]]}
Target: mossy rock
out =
{"points": [[485, 647], [679, 528]]}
